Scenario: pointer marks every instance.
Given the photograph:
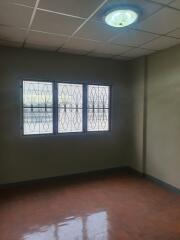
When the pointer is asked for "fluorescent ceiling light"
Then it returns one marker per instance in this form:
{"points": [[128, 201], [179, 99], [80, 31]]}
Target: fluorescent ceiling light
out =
{"points": [[121, 17]]}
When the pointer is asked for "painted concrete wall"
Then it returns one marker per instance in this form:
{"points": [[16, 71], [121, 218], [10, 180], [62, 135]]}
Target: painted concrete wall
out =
{"points": [[136, 72], [163, 116], [24, 158], [162, 159]]}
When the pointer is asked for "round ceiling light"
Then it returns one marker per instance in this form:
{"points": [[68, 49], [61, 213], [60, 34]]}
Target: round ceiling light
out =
{"points": [[121, 18]]}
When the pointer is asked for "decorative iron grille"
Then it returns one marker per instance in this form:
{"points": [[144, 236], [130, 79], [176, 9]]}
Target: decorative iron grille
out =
{"points": [[98, 108], [70, 106], [69, 109], [37, 107]]}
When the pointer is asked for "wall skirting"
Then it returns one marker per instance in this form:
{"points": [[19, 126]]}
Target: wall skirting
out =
{"points": [[96, 173]]}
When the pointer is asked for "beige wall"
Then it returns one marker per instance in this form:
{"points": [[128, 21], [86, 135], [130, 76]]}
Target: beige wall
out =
{"points": [[136, 72], [163, 116], [162, 159], [24, 158]]}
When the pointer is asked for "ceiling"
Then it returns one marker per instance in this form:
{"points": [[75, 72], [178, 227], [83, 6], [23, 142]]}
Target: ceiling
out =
{"points": [[77, 26]]}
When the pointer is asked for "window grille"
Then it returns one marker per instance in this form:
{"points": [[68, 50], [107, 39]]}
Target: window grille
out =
{"points": [[65, 108], [98, 108], [70, 106], [37, 107]]}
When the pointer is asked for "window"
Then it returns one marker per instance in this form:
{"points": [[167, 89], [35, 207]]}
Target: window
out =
{"points": [[70, 107], [64, 108], [37, 107], [98, 108]]}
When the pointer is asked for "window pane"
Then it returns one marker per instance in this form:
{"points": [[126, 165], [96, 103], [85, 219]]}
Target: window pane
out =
{"points": [[37, 107], [70, 107], [70, 95], [70, 120], [38, 121], [37, 94], [98, 108], [98, 119]]}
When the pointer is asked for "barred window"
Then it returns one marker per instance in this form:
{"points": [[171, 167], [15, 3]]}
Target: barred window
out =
{"points": [[70, 107], [37, 107], [98, 108], [52, 108]]}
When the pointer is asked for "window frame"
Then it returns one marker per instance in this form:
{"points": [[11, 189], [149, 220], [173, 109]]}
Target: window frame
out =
{"points": [[55, 109]]}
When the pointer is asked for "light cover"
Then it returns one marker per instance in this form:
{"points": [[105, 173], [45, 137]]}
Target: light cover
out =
{"points": [[121, 17]]}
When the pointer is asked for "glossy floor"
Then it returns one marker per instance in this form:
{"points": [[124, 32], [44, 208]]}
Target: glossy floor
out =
{"points": [[120, 206]]}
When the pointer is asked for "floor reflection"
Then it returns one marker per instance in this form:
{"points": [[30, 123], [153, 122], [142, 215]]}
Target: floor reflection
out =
{"points": [[91, 227]]}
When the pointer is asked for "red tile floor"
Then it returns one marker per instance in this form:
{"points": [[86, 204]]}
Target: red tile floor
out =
{"points": [[122, 206]]}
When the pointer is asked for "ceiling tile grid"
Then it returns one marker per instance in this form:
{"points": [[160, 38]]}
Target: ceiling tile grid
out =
{"points": [[55, 23], [80, 8], [134, 38], [45, 39], [161, 43], [82, 44], [78, 26], [30, 3], [15, 15]]}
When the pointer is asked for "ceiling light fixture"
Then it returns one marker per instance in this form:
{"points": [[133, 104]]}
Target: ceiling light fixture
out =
{"points": [[121, 17]]}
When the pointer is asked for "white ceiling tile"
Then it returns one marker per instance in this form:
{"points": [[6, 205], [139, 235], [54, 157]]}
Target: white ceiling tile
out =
{"points": [[138, 52], [162, 1], [10, 43], [96, 31], [12, 34], [175, 4], [102, 55], [162, 22], [162, 43], [44, 39], [15, 15], [40, 47], [145, 8], [111, 49], [122, 58], [74, 51], [175, 33], [133, 38], [81, 8], [82, 44], [55, 23], [30, 3]]}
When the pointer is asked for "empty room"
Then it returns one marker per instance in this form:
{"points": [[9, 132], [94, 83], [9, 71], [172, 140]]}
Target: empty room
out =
{"points": [[90, 120]]}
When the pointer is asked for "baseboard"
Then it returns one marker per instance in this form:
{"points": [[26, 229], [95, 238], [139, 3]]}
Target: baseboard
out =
{"points": [[98, 172], [163, 184], [93, 173]]}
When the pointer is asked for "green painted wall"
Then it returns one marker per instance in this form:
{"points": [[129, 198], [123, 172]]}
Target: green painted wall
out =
{"points": [[25, 158]]}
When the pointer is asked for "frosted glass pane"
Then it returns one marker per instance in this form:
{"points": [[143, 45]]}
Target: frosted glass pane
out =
{"points": [[70, 107], [70, 95], [37, 94], [38, 121], [37, 107], [98, 120], [98, 108]]}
